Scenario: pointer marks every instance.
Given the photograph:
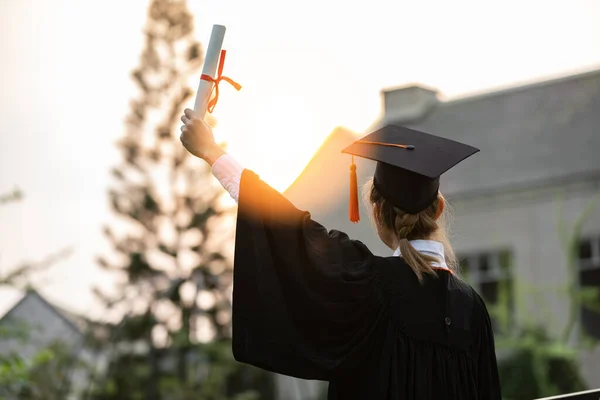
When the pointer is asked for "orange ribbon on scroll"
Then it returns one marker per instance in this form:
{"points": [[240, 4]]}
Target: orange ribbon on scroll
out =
{"points": [[213, 101]]}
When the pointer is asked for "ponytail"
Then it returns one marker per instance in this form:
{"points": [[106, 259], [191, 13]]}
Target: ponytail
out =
{"points": [[419, 262], [398, 228]]}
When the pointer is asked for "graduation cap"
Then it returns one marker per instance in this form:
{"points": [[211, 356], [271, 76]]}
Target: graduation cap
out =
{"points": [[409, 165]]}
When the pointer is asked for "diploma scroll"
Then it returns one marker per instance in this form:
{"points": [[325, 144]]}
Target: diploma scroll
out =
{"points": [[211, 62]]}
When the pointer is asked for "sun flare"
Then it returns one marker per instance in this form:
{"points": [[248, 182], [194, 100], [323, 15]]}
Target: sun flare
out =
{"points": [[276, 137]]}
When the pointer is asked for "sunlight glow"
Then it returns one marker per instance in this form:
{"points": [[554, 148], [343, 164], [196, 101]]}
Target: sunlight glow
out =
{"points": [[66, 89]]}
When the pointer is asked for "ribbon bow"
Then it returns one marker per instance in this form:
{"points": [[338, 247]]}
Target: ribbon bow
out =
{"points": [[213, 101]]}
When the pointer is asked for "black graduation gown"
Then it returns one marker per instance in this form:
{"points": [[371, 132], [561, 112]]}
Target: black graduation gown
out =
{"points": [[316, 305]]}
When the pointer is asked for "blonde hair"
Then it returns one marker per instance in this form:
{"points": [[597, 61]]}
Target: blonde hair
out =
{"points": [[401, 227]]}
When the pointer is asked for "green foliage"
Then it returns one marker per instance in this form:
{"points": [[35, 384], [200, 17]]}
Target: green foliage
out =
{"points": [[213, 373], [44, 376], [14, 375], [219, 377], [531, 363], [537, 366]]}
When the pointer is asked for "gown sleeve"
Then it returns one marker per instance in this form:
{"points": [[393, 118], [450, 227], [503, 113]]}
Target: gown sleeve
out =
{"points": [[303, 299], [488, 381]]}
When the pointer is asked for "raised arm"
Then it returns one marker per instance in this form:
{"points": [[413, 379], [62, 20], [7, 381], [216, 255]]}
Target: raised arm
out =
{"points": [[304, 298], [198, 139]]}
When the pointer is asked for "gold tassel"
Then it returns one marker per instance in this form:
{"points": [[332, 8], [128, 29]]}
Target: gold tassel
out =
{"points": [[353, 212]]}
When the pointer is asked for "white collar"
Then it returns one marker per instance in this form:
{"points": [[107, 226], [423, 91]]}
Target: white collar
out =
{"points": [[429, 247]]}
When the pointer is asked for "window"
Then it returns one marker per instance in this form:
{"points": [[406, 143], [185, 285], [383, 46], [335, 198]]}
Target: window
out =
{"points": [[489, 273], [589, 278]]}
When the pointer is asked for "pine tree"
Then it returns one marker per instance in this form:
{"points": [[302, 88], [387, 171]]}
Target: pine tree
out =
{"points": [[176, 281]]}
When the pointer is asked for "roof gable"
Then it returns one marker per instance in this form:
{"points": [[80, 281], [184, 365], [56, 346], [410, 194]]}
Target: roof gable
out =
{"points": [[528, 134], [33, 300]]}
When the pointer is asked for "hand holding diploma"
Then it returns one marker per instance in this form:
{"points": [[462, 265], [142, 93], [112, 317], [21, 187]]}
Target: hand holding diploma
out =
{"points": [[196, 135]]}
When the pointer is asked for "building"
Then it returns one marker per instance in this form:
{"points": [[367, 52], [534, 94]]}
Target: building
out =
{"points": [[539, 161], [33, 324]]}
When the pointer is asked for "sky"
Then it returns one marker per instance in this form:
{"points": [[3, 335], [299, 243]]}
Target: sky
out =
{"points": [[306, 67]]}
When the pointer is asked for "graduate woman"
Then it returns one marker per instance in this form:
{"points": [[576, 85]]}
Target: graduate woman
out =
{"points": [[315, 304]]}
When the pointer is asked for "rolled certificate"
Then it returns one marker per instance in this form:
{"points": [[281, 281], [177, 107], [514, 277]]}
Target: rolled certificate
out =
{"points": [[211, 61]]}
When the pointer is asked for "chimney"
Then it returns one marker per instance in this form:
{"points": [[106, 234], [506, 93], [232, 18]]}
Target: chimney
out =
{"points": [[408, 104]]}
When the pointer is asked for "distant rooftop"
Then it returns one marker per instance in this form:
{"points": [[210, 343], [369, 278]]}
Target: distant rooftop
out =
{"points": [[73, 320], [536, 132], [532, 134]]}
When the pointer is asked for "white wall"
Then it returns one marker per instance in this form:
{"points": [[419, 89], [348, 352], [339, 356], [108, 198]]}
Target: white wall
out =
{"points": [[527, 224]]}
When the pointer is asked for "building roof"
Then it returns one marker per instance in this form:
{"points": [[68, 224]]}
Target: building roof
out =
{"points": [[74, 322], [537, 134]]}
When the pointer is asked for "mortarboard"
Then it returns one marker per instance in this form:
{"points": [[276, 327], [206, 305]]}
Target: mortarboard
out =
{"points": [[409, 165]]}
